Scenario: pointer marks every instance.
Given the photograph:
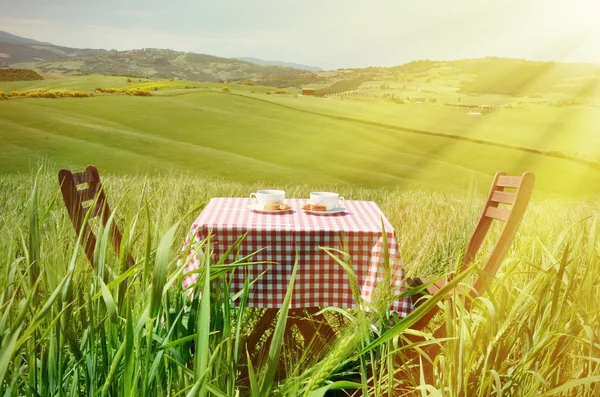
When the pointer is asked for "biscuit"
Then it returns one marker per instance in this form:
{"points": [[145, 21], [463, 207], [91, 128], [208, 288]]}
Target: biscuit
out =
{"points": [[314, 207], [277, 207]]}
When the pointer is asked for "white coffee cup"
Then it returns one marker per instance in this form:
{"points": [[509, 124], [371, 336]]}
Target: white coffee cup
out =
{"points": [[269, 196], [328, 199]]}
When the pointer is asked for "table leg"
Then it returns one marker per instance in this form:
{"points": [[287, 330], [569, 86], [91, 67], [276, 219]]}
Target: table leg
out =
{"points": [[312, 325], [309, 324], [260, 328], [314, 328]]}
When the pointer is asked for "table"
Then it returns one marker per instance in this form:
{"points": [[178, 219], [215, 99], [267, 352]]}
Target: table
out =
{"points": [[320, 281]]}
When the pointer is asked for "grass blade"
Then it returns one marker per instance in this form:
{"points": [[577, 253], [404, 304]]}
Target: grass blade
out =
{"points": [[6, 352], [278, 334], [160, 269]]}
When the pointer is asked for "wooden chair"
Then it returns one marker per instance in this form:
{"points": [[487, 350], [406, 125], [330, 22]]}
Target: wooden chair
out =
{"points": [[512, 191], [79, 201]]}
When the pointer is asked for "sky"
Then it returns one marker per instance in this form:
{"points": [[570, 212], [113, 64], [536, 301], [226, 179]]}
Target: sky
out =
{"points": [[326, 33]]}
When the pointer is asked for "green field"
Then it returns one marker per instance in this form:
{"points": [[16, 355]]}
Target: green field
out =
{"points": [[68, 329], [247, 135], [73, 333]]}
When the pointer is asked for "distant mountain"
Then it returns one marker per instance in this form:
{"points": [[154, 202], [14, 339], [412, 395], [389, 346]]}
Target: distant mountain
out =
{"points": [[12, 39], [490, 75], [16, 51], [165, 64], [279, 63]]}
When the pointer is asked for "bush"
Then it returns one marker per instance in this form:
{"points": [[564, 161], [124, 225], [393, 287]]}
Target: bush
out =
{"points": [[41, 94], [79, 94], [281, 92], [247, 83], [49, 94], [139, 93], [110, 91], [2, 95], [225, 89], [136, 92]]}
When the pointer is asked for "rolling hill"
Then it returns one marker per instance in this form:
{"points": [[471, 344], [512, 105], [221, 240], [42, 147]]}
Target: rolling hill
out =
{"points": [[280, 63], [422, 124], [13, 39], [250, 134], [159, 63], [491, 75], [25, 53]]}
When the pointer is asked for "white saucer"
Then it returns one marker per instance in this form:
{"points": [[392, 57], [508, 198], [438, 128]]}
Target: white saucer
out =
{"points": [[334, 210], [261, 208]]}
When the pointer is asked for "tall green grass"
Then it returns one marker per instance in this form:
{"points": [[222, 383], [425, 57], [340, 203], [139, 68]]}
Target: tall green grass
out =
{"points": [[66, 330]]}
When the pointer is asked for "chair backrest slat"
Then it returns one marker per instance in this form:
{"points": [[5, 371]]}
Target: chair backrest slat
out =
{"points": [[504, 197], [497, 213], [85, 195], [509, 181], [83, 177]]}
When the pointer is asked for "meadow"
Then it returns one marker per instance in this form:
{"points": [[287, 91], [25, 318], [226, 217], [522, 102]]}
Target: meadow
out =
{"points": [[250, 131], [68, 329]]}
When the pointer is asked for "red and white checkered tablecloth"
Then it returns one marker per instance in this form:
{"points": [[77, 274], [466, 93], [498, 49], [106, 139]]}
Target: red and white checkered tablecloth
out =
{"points": [[320, 281]]}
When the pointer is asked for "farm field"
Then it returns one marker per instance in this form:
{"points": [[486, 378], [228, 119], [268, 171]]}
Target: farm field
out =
{"points": [[197, 129], [569, 130], [524, 323], [162, 157]]}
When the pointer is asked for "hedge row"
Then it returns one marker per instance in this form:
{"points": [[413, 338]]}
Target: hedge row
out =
{"points": [[49, 94], [136, 92]]}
